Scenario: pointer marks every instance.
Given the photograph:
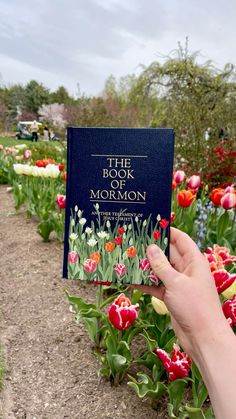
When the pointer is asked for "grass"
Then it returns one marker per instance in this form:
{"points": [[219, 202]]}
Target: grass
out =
{"points": [[11, 141]]}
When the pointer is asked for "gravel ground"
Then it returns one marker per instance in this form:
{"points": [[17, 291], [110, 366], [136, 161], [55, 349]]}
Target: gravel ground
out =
{"points": [[51, 371]]}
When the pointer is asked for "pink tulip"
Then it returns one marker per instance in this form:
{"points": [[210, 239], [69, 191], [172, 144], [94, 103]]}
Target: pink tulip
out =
{"points": [[179, 176], [228, 200], [194, 182], [144, 265], [152, 276], [90, 265], [27, 154], [122, 313], [229, 189], [120, 269], [73, 256]]}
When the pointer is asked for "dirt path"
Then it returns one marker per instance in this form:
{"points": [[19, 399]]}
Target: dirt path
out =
{"points": [[50, 367]]}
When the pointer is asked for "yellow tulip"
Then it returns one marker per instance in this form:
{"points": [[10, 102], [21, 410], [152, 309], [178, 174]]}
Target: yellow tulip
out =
{"points": [[229, 292], [159, 306]]}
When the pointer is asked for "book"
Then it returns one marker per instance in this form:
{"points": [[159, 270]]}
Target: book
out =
{"points": [[118, 201]]}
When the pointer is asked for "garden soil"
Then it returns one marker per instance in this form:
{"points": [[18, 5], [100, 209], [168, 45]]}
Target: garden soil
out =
{"points": [[50, 367]]}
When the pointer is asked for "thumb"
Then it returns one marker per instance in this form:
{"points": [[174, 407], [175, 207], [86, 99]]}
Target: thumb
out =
{"points": [[160, 265]]}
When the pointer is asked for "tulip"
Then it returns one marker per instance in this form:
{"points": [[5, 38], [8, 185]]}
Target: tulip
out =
{"points": [[109, 246], [229, 309], [156, 234], [96, 257], [174, 184], [61, 201], [27, 154], [194, 182], [159, 306], [90, 265], [73, 256], [185, 198], [131, 252], [121, 230], [178, 365], [216, 195], [223, 280], [118, 241], [61, 167], [172, 217], [120, 269], [144, 264], [164, 223], [231, 291], [179, 176], [228, 200], [152, 276], [122, 313]]}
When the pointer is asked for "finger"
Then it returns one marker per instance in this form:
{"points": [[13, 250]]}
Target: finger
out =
{"points": [[175, 257], [160, 264], [183, 243], [158, 292]]}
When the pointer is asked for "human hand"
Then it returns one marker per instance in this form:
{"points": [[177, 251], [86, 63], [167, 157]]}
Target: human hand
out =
{"points": [[189, 292]]}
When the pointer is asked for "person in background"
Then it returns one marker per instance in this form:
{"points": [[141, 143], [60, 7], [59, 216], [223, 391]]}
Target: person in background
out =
{"points": [[34, 131], [46, 133], [191, 297]]}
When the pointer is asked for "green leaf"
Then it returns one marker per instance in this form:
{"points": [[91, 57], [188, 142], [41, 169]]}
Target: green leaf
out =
{"points": [[91, 326], [145, 387], [82, 308], [176, 392], [119, 362], [222, 225], [195, 412]]}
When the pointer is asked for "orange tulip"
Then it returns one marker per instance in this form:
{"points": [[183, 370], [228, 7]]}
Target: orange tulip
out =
{"points": [[216, 196], [185, 198], [132, 252], [109, 246], [96, 257]]}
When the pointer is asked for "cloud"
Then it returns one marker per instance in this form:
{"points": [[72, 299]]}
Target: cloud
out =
{"points": [[86, 40]]}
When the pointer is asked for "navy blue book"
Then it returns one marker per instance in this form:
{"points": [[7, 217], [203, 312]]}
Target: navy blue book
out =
{"points": [[118, 201]]}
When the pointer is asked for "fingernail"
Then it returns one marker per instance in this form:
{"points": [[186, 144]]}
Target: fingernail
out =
{"points": [[153, 251]]}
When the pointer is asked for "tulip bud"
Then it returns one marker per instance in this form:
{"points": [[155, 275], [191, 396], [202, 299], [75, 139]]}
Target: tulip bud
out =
{"points": [[228, 201], [179, 176], [194, 182]]}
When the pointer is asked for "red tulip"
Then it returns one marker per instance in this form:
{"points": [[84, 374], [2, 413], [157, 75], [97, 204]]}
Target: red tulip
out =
{"points": [[228, 200], [156, 234], [216, 195], [121, 230], [61, 167], [164, 223], [172, 217], [174, 184], [144, 264], [179, 176], [229, 309], [73, 256], [185, 198], [61, 201], [223, 280], [178, 365], [122, 313], [194, 182], [152, 276], [90, 265], [118, 240]]}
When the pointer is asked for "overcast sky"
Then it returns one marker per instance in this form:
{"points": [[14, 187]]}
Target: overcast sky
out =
{"points": [[65, 42]]}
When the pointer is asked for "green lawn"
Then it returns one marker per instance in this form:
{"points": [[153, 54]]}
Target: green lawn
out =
{"points": [[11, 141]]}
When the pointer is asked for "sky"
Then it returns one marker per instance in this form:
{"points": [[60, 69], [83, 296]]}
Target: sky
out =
{"points": [[71, 42]]}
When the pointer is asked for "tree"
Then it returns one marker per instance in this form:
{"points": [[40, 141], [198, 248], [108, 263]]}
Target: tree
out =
{"points": [[61, 95], [36, 94]]}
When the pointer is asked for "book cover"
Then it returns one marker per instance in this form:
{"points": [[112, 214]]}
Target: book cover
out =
{"points": [[118, 200]]}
